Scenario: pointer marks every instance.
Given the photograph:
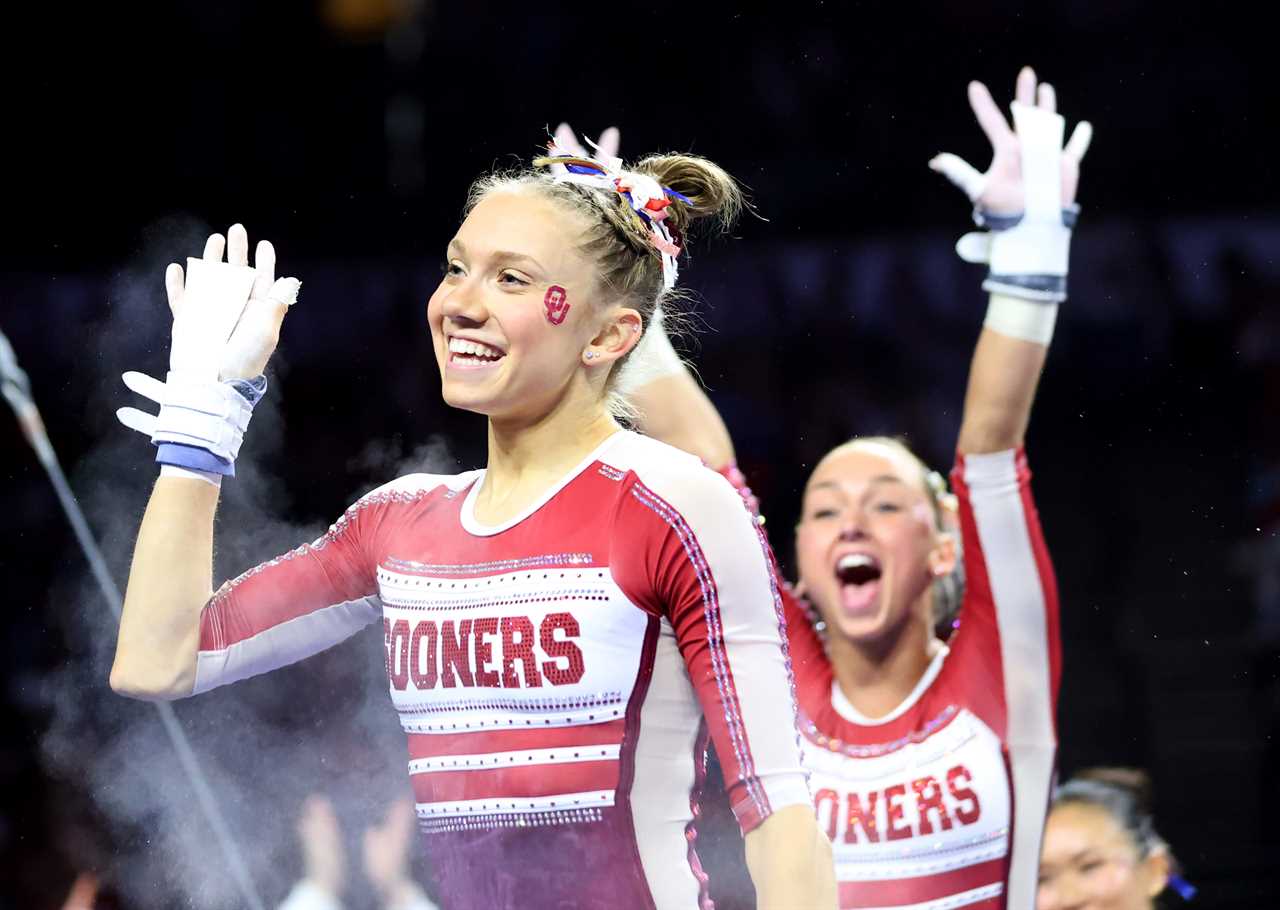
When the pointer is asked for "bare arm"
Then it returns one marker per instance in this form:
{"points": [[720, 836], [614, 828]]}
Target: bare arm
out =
{"points": [[789, 858], [674, 409], [170, 580], [1002, 386]]}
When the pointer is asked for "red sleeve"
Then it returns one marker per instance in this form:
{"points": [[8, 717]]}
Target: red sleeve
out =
{"points": [[711, 573], [298, 604]]}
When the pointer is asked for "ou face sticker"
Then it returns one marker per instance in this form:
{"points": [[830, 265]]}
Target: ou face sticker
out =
{"points": [[557, 304]]}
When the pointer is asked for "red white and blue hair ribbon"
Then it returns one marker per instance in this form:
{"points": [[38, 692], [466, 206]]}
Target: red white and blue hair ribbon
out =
{"points": [[648, 198]]}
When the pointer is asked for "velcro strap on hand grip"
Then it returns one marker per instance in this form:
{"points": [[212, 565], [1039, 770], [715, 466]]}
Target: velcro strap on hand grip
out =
{"points": [[210, 415]]}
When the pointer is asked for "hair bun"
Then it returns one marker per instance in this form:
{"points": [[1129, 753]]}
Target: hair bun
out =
{"points": [[711, 192], [1134, 781]]}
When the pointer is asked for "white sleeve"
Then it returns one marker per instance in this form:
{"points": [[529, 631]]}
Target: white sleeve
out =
{"points": [[723, 603]]}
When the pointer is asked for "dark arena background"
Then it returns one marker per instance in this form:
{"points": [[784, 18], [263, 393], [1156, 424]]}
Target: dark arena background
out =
{"points": [[347, 132]]}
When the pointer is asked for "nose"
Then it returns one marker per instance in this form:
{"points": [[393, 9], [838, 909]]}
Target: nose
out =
{"points": [[1060, 896], [851, 527], [464, 304]]}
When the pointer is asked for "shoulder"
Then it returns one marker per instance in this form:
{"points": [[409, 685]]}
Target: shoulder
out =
{"points": [[413, 487], [671, 476]]}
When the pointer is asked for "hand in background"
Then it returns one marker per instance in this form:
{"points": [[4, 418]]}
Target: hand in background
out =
{"points": [[999, 190], [387, 852], [83, 893], [322, 853]]}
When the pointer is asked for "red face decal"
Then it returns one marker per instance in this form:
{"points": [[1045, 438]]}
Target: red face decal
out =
{"points": [[557, 304]]}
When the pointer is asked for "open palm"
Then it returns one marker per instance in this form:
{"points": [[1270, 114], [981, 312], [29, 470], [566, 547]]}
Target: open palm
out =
{"points": [[999, 191]]}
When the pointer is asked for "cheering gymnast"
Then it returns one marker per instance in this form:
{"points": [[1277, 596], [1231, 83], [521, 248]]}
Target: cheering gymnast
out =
{"points": [[932, 761], [565, 628]]}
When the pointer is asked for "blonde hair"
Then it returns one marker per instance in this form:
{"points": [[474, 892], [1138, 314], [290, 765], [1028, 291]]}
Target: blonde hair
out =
{"points": [[617, 239], [941, 500]]}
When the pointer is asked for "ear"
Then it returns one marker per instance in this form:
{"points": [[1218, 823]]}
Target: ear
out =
{"points": [[617, 336], [1155, 868], [942, 558]]}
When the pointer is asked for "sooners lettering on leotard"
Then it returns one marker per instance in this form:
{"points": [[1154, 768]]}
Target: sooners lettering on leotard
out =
{"points": [[940, 804], [557, 677]]}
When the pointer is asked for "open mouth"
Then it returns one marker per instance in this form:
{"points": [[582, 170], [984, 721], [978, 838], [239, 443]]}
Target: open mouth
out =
{"points": [[467, 354], [859, 577]]}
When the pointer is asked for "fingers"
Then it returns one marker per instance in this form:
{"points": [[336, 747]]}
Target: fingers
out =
{"points": [[975, 247], [401, 818], [144, 385], [1025, 91], [264, 263], [137, 420], [1078, 144], [213, 248], [609, 142], [174, 283], [567, 141], [1047, 98], [237, 245], [318, 817], [83, 893], [961, 173], [989, 116], [285, 292], [257, 333]]}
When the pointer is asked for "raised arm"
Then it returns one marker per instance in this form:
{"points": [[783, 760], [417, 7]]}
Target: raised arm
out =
{"points": [[1009, 622], [671, 404], [226, 322], [1026, 200]]}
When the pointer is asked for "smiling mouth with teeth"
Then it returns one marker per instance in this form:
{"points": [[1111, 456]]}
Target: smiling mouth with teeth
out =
{"points": [[464, 353], [857, 569], [859, 578]]}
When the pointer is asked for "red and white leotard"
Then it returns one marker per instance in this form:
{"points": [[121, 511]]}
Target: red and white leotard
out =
{"points": [[557, 676], [940, 803]]}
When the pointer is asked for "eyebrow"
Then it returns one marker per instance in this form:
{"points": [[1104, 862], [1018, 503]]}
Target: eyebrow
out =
{"points": [[500, 255], [1086, 852]]}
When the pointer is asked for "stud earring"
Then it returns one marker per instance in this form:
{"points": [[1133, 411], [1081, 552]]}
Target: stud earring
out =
{"points": [[591, 354]]}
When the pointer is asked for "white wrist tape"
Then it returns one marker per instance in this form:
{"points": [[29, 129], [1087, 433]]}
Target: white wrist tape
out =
{"points": [[1026, 319], [172, 470]]}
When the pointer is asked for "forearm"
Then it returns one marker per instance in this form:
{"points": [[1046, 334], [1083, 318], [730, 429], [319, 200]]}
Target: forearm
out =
{"points": [[790, 861], [1003, 378], [170, 581], [674, 409]]}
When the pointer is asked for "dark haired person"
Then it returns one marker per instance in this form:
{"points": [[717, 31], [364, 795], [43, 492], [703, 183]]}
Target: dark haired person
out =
{"points": [[1101, 848]]}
